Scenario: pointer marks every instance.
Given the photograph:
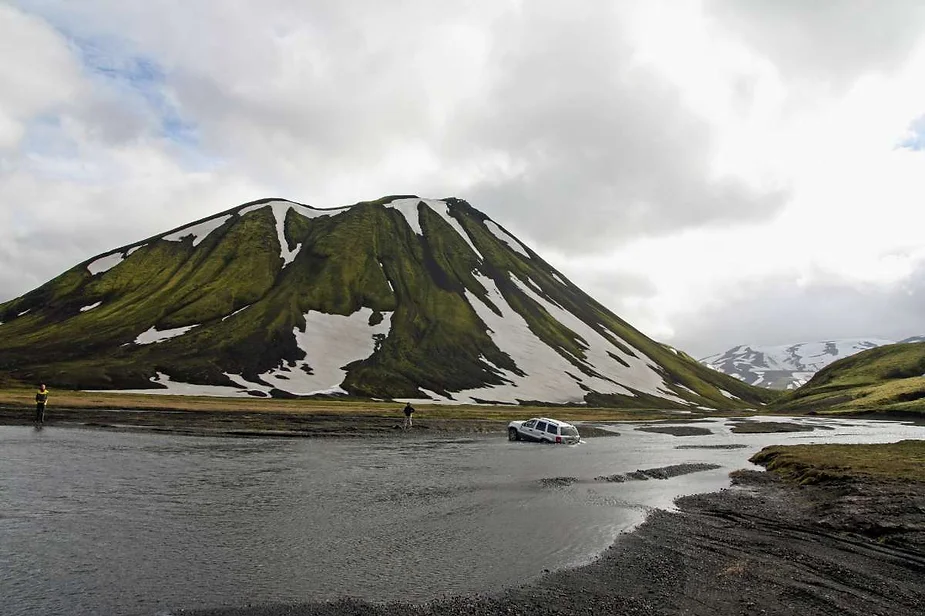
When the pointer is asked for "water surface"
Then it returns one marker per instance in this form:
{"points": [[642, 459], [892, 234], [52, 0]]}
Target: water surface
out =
{"points": [[98, 522]]}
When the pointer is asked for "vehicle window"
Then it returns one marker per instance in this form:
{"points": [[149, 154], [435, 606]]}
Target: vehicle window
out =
{"points": [[541, 426], [569, 431], [529, 424], [552, 429]]}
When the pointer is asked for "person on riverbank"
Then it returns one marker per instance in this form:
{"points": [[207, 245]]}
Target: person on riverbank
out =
{"points": [[41, 398], [409, 411]]}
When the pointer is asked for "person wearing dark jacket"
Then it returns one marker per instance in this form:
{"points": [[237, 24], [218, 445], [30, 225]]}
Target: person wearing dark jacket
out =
{"points": [[409, 410], [41, 397]]}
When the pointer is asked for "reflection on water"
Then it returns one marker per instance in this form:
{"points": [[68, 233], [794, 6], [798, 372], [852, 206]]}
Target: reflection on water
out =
{"points": [[124, 523]]}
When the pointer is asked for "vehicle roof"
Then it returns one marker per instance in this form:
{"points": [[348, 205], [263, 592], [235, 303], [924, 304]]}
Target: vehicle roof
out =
{"points": [[558, 422]]}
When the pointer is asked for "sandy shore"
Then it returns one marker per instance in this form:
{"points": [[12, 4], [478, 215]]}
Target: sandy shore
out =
{"points": [[762, 547]]}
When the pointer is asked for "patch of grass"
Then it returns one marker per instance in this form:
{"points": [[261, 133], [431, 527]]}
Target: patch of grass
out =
{"points": [[807, 464]]}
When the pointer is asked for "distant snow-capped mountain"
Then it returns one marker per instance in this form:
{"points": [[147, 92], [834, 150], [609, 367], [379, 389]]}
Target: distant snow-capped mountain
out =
{"points": [[789, 366]]}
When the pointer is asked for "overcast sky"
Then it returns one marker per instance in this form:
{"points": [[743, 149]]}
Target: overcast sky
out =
{"points": [[717, 173]]}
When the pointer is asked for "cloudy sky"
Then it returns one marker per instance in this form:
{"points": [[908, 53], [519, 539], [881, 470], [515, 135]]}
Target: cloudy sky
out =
{"points": [[717, 172]]}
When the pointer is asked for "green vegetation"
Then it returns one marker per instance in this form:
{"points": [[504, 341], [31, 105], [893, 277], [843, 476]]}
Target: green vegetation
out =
{"points": [[244, 304], [887, 378], [805, 464]]}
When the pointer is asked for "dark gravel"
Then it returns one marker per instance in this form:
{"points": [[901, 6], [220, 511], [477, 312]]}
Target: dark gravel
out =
{"points": [[769, 427], [727, 446], [676, 430], [664, 472]]}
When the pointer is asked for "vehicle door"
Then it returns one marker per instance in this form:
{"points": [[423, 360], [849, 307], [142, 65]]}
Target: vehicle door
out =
{"points": [[552, 431], [537, 432], [527, 430]]}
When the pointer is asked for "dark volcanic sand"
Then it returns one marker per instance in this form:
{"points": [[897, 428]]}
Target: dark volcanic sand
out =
{"points": [[763, 547], [677, 430], [768, 427], [726, 446]]}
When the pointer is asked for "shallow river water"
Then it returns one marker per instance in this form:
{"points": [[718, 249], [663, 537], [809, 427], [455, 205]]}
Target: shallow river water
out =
{"points": [[96, 522]]}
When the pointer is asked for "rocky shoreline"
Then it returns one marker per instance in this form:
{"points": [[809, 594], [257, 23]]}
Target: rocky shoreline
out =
{"points": [[765, 546]]}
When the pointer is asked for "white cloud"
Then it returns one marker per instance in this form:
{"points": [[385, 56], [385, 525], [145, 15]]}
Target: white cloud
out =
{"points": [[684, 162], [38, 74]]}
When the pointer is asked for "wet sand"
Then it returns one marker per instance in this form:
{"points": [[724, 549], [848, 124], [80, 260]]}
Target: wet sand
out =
{"points": [[762, 547]]}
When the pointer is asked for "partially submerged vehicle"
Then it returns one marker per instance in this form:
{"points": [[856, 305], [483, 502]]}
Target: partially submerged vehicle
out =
{"points": [[543, 430]]}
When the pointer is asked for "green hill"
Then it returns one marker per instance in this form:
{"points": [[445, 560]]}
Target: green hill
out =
{"points": [[396, 298], [887, 378]]}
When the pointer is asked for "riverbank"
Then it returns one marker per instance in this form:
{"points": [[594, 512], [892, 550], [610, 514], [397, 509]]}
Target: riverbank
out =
{"points": [[245, 417], [851, 543], [267, 424]]}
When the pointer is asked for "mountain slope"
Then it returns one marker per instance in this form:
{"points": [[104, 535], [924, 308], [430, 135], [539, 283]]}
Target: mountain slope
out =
{"points": [[886, 378], [786, 366], [397, 298]]}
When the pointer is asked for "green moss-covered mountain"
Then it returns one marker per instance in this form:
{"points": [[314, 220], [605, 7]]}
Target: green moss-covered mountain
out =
{"points": [[397, 298], [887, 378]]}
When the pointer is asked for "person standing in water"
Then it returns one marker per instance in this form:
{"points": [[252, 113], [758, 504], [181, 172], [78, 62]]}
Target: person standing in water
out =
{"points": [[41, 397], [409, 410]]}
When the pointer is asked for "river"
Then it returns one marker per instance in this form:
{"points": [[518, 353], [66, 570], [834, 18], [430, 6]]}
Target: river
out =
{"points": [[100, 522]]}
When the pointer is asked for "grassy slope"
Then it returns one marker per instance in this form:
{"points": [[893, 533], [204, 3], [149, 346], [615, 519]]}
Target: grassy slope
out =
{"points": [[887, 378], [904, 460], [436, 339]]}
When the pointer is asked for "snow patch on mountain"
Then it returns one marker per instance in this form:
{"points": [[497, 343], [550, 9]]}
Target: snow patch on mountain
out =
{"points": [[153, 336], [548, 375], [280, 209], [409, 209], [330, 342], [506, 237], [543, 366], [228, 316], [382, 267], [198, 231], [279, 213], [91, 306], [177, 388], [104, 264], [599, 352], [442, 208]]}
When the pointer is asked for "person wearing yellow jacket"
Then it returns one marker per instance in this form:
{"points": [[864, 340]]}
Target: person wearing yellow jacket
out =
{"points": [[41, 397]]}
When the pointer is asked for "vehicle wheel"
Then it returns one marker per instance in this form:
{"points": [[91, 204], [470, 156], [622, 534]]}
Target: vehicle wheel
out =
{"points": [[512, 434]]}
